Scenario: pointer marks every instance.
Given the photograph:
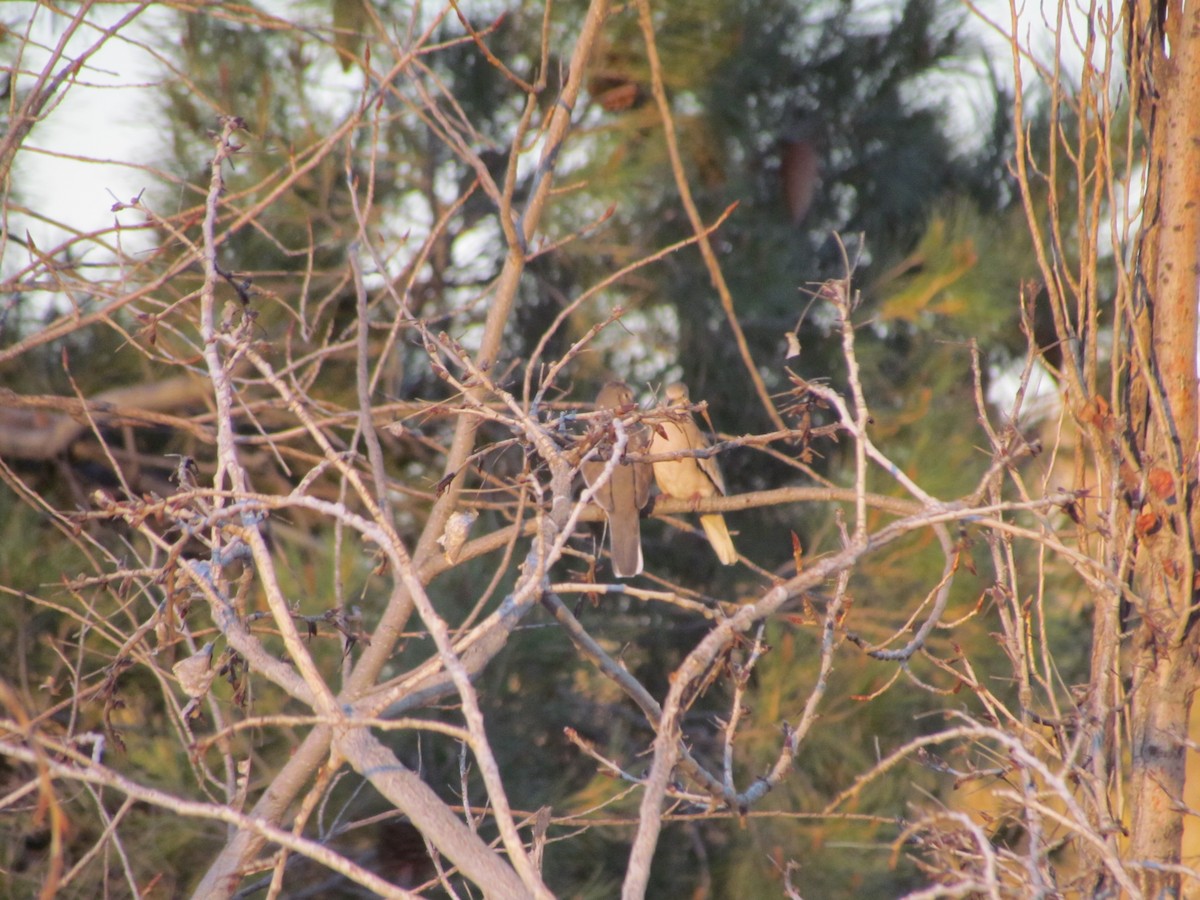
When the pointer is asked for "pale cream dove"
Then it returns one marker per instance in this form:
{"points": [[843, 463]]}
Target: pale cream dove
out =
{"points": [[690, 478], [626, 491]]}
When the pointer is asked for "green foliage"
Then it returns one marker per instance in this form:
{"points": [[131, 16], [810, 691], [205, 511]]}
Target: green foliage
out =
{"points": [[940, 261]]}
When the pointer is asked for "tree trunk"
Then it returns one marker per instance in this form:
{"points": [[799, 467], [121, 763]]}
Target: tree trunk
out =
{"points": [[1163, 679]]}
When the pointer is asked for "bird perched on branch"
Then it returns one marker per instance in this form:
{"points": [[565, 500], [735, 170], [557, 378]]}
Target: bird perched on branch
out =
{"points": [[626, 491], [689, 477]]}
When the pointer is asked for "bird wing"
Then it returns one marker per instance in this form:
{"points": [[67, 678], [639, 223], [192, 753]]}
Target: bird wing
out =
{"points": [[707, 465], [591, 474], [643, 474]]}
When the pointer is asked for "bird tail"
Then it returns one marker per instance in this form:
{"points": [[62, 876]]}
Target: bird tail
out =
{"points": [[718, 536], [626, 546]]}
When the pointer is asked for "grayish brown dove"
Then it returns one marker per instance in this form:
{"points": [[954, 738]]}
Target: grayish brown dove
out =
{"points": [[626, 492], [690, 478]]}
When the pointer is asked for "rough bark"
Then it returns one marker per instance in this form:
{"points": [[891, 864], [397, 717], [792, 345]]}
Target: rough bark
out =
{"points": [[1165, 673]]}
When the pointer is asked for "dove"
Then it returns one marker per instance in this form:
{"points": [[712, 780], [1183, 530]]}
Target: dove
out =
{"points": [[690, 478], [626, 492]]}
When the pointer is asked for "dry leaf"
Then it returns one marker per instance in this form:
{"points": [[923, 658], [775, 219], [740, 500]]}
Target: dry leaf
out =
{"points": [[1162, 483], [1147, 524]]}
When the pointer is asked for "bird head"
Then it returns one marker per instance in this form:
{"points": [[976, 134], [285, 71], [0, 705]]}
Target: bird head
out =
{"points": [[615, 395], [677, 394]]}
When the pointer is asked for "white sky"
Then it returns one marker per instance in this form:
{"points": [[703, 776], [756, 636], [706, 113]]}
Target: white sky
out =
{"points": [[98, 118]]}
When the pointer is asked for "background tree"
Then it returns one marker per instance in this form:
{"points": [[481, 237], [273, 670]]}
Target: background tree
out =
{"points": [[385, 258]]}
